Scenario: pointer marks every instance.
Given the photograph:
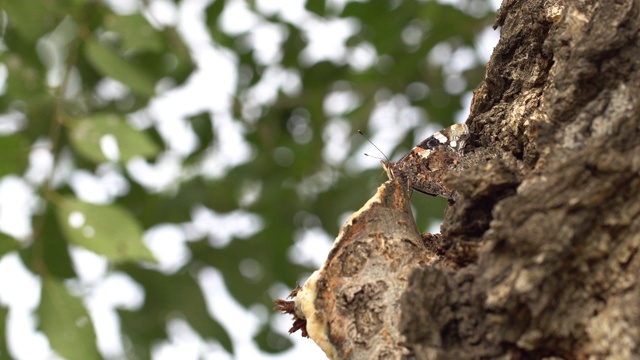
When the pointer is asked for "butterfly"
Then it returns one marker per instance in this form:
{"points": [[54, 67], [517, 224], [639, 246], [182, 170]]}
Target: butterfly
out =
{"points": [[424, 167]]}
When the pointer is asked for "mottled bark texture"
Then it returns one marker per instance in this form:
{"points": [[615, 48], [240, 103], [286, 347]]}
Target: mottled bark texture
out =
{"points": [[352, 304], [541, 244]]}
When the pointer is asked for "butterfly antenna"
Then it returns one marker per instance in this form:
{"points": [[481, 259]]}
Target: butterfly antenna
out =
{"points": [[374, 145]]}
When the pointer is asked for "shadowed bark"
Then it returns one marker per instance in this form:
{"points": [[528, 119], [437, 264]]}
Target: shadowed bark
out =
{"points": [[538, 255], [540, 248]]}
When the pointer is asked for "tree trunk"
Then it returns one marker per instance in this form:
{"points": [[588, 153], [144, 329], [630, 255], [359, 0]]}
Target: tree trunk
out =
{"points": [[542, 240], [538, 256]]}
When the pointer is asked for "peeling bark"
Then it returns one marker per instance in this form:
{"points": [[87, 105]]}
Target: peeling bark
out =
{"points": [[356, 294], [351, 305]]}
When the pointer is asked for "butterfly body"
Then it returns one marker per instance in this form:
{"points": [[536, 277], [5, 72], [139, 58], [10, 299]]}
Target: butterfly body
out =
{"points": [[424, 167]]}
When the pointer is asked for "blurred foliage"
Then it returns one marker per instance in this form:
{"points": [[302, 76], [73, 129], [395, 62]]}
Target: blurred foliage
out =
{"points": [[4, 353], [59, 56], [65, 322]]}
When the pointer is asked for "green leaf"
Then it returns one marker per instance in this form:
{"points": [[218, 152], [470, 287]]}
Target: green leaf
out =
{"points": [[65, 322], [136, 32], [107, 230], [51, 249], [213, 11], [14, 154], [4, 354], [316, 6], [109, 63], [7, 244], [202, 126], [87, 134], [31, 18]]}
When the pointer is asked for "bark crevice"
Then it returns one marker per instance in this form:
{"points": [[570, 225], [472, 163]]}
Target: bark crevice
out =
{"points": [[542, 239]]}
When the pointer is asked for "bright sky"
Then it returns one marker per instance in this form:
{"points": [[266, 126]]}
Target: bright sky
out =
{"points": [[216, 77]]}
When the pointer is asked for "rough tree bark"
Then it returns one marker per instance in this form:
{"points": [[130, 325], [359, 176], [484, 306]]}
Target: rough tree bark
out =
{"points": [[542, 240], [538, 253]]}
